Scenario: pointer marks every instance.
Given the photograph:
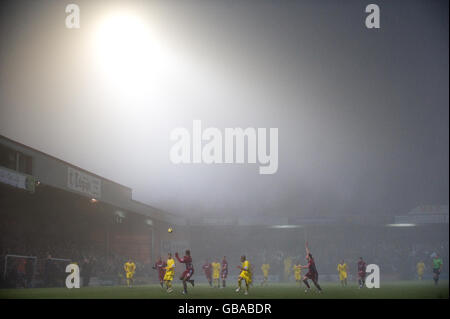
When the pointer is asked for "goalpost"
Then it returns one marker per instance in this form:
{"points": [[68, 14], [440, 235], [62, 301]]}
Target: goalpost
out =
{"points": [[11, 256], [63, 262], [61, 259], [59, 264], [59, 269]]}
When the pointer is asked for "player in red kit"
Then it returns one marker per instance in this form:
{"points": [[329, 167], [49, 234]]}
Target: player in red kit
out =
{"points": [[160, 266], [224, 271], [207, 268], [187, 274], [312, 273], [361, 272]]}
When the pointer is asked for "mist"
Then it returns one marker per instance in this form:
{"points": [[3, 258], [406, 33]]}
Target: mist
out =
{"points": [[362, 115]]}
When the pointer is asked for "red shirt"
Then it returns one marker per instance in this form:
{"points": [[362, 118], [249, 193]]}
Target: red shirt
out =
{"points": [[21, 267], [187, 260], [224, 265], [361, 266], [312, 265], [160, 266], [207, 269]]}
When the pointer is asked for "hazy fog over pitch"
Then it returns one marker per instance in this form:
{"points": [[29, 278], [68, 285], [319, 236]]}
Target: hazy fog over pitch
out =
{"points": [[363, 115]]}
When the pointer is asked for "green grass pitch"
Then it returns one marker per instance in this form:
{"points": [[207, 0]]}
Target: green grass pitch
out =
{"points": [[394, 290]]}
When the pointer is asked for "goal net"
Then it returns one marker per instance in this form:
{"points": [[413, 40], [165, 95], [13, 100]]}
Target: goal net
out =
{"points": [[19, 270], [53, 271]]}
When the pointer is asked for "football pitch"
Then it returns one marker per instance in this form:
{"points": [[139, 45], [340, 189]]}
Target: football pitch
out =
{"points": [[391, 290]]}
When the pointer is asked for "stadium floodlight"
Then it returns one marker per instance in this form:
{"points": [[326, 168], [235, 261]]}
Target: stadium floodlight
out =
{"points": [[128, 53], [285, 226], [401, 225], [93, 200]]}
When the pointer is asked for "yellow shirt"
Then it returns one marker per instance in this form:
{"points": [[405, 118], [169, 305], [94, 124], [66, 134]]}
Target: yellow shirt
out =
{"points": [[246, 271], [420, 267], [287, 265], [342, 268], [129, 267], [216, 269], [265, 269], [246, 266], [297, 269], [170, 269]]}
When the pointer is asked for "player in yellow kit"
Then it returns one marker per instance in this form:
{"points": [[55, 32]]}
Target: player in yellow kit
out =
{"points": [[216, 273], [342, 269], [170, 272], [130, 268], [245, 274], [287, 268], [298, 273], [420, 269], [265, 269]]}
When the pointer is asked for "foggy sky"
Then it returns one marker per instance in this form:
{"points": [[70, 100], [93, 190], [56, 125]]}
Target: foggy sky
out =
{"points": [[363, 115]]}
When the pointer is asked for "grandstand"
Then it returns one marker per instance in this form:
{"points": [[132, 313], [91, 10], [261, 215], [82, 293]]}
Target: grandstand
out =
{"points": [[51, 207]]}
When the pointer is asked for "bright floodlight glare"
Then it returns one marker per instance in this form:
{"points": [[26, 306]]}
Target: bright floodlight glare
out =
{"points": [[285, 226], [122, 45], [401, 225], [126, 52]]}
